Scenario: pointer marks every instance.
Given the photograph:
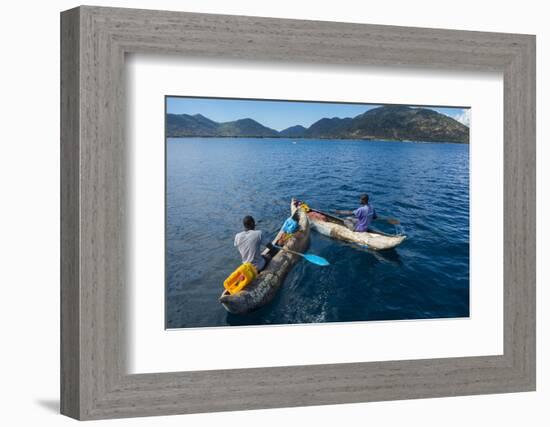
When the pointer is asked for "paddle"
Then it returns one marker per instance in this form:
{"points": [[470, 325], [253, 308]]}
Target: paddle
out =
{"points": [[314, 259], [393, 221]]}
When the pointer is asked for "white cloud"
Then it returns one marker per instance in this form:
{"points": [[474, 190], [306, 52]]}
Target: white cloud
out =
{"points": [[463, 117]]}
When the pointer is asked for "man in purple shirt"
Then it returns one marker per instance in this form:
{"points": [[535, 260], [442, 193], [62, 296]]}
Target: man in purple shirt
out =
{"points": [[364, 215]]}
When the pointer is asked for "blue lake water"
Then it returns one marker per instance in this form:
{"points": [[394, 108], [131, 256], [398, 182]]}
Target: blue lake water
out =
{"points": [[213, 182]]}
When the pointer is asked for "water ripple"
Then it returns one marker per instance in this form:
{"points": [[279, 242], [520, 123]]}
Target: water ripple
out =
{"points": [[213, 183]]}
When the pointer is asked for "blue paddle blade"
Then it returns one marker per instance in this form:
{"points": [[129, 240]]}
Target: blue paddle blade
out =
{"points": [[317, 260]]}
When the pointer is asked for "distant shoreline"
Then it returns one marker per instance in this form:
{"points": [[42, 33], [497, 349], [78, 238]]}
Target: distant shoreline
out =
{"points": [[325, 138], [394, 123]]}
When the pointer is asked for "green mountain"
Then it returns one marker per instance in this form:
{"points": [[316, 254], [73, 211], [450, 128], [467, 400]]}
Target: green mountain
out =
{"points": [[406, 123], [245, 128], [185, 125], [388, 122], [297, 131], [329, 128]]}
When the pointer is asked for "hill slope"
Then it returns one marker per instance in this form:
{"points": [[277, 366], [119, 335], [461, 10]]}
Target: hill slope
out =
{"points": [[185, 125], [297, 131], [386, 122], [406, 123]]}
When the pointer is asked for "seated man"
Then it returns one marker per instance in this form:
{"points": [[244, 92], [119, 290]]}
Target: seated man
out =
{"points": [[364, 215], [248, 242]]}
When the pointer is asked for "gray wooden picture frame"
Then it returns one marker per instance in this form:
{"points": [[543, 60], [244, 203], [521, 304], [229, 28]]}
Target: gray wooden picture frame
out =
{"points": [[94, 381]]}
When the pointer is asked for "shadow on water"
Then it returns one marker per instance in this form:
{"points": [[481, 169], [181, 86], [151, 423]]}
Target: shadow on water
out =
{"points": [[427, 276], [276, 312], [390, 256], [258, 317]]}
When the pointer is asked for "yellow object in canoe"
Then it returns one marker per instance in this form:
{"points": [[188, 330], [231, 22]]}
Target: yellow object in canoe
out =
{"points": [[240, 278]]}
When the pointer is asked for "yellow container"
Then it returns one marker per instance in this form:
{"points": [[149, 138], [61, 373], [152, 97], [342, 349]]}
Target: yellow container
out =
{"points": [[240, 278]]}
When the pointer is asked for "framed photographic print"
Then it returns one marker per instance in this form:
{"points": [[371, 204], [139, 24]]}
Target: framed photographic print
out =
{"points": [[327, 162], [261, 213]]}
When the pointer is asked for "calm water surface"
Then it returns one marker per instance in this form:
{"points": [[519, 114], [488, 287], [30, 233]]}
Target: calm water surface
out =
{"points": [[213, 183]]}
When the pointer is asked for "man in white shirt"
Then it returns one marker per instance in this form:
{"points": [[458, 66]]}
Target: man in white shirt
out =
{"points": [[248, 242]]}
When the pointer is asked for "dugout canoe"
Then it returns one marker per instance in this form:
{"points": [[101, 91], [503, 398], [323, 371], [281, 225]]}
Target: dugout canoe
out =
{"points": [[262, 290], [332, 226]]}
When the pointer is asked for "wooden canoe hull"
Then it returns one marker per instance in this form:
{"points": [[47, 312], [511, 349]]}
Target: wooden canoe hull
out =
{"points": [[376, 241], [265, 287]]}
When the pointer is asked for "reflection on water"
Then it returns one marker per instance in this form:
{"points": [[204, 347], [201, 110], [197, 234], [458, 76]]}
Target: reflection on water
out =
{"points": [[212, 183]]}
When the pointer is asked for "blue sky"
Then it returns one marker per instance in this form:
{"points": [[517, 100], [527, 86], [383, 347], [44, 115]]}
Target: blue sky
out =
{"points": [[279, 115]]}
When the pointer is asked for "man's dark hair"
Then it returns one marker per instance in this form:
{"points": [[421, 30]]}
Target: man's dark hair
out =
{"points": [[249, 223], [364, 199]]}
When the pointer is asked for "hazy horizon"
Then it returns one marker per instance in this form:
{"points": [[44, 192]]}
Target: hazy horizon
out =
{"points": [[281, 115]]}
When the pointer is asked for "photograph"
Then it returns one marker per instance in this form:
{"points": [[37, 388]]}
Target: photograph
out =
{"points": [[284, 212]]}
